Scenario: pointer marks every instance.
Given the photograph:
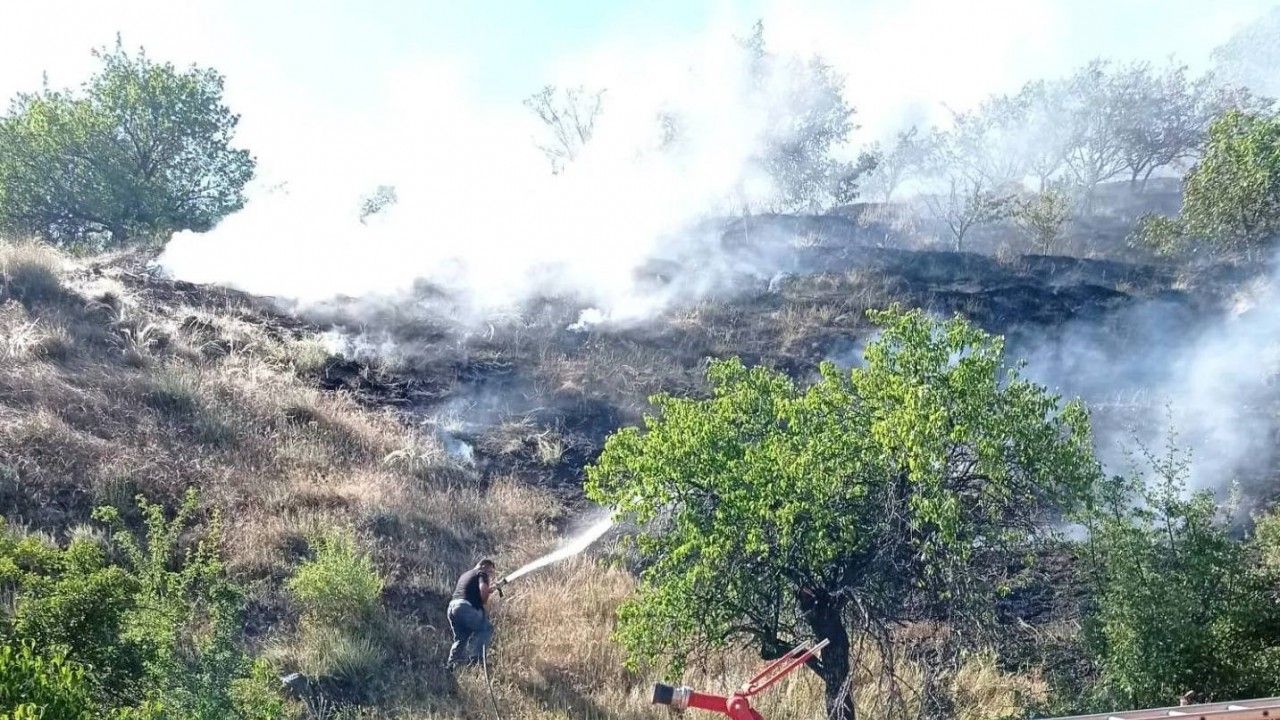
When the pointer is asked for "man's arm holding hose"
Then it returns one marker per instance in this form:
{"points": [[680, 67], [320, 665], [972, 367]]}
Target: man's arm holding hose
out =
{"points": [[487, 588]]}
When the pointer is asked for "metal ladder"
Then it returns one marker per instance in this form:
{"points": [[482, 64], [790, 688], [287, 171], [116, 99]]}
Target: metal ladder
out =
{"points": [[1268, 708]]}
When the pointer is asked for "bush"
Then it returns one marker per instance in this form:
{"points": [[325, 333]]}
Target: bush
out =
{"points": [[339, 585], [1161, 235], [1180, 605], [1042, 219], [37, 687], [156, 632]]}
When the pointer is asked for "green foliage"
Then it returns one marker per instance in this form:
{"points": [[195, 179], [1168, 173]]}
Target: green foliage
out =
{"points": [[339, 585], [142, 150], [1233, 194], [901, 488], [340, 636], [1231, 200], [1266, 531], [1042, 218], [1180, 605], [256, 696], [1161, 235], [39, 687], [154, 622]]}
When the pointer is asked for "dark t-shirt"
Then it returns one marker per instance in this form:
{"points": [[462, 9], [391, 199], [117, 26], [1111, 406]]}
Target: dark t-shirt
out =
{"points": [[469, 587]]}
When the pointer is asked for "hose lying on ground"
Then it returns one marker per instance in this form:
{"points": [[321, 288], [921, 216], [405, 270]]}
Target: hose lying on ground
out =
{"points": [[488, 681]]}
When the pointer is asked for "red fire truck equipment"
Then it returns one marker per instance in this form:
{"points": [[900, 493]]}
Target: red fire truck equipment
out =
{"points": [[738, 705]]}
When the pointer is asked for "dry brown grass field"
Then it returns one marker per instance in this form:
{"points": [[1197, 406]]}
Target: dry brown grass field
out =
{"points": [[114, 384]]}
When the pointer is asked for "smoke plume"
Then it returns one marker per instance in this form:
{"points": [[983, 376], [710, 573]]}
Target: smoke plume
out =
{"points": [[1164, 366]]}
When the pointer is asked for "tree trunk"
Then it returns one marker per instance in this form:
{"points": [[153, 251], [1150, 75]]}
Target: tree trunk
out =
{"points": [[1142, 187], [824, 617]]}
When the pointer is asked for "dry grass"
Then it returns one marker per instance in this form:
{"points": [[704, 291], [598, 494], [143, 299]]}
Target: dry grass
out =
{"points": [[29, 272], [22, 338], [523, 440], [109, 389]]}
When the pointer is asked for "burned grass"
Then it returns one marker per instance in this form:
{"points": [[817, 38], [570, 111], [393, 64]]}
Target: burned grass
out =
{"points": [[434, 444]]}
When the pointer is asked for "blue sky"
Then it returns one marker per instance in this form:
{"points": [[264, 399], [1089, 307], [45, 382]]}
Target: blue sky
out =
{"points": [[305, 71]]}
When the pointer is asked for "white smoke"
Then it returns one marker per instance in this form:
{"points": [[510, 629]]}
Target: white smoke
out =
{"points": [[1161, 367], [480, 215], [479, 212]]}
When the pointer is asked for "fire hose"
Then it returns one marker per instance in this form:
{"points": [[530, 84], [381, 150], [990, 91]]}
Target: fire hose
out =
{"points": [[738, 705]]}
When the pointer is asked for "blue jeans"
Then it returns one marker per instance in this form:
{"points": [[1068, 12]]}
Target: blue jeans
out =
{"points": [[470, 628]]}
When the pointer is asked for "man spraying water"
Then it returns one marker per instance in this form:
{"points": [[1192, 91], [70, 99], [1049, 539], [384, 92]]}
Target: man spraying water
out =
{"points": [[468, 615]]}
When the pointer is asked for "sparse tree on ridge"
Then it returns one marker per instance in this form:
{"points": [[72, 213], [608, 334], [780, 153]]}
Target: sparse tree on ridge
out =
{"points": [[908, 155], [1042, 135], [569, 115], [982, 144], [965, 205], [807, 118], [1170, 117], [144, 149], [1097, 108], [1042, 218]]}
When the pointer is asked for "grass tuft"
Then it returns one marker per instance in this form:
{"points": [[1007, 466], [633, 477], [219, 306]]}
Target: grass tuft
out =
{"points": [[29, 272]]}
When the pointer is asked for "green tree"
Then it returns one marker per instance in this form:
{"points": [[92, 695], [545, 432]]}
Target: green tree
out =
{"points": [[1231, 198], [1180, 604], [1042, 218], [897, 491], [143, 149]]}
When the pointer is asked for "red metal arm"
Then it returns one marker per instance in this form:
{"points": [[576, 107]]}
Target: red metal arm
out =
{"points": [[706, 701], [738, 705], [780, 668]]}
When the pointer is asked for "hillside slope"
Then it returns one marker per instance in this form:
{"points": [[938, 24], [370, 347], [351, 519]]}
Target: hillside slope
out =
{"points": [[114, 383], [440, 442]]}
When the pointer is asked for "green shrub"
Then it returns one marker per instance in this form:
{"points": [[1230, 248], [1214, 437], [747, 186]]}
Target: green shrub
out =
{"points": [[256, 696], [339, 585], [157, 632], [1180, 604], [37, 687], [1231, 198], [1162, 235]]}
